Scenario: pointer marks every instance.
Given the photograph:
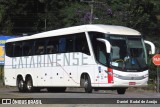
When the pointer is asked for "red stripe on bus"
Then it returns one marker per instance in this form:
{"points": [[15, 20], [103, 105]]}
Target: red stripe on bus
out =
{"points": [[110, 75]]}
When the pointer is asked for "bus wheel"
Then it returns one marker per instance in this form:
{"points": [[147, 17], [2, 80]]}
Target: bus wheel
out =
{"points": [[121, 90], [29, 84], [21, 85], [87, 84]]}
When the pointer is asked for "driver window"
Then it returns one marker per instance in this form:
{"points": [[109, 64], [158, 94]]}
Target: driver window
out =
{"points": [[101, 53], [115, 53]]}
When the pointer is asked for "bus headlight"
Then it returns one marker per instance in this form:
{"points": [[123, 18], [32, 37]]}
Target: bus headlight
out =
{"points": [[146, 75]]}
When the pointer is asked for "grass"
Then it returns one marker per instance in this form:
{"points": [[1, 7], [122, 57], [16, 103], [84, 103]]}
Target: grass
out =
{"points": [[149, 88]]}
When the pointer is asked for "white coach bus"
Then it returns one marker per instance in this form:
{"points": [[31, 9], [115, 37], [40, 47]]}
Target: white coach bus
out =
{"points": [[89, 56]]}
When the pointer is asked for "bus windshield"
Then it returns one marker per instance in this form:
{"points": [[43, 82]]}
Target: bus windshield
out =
{"points": [[128, 53]]}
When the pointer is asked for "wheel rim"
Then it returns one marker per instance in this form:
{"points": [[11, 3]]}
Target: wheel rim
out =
{"points": [[20, 85], [86, 84], [29, 85]]}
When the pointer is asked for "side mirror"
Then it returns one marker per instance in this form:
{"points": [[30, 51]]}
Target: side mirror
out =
{"points": [[107, 43], [152, 51]]}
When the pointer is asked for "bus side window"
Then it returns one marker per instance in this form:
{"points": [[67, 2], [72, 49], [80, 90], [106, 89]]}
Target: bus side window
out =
{"points": [[52, 45], [40, 50], [9, 49], [40, 46], [49, 49], [28, 48], [82, 44], [17, 49], [62, 45], [69, 43]]}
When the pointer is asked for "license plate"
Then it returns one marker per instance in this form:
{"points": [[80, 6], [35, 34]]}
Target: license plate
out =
{"points": [[132, 83]]}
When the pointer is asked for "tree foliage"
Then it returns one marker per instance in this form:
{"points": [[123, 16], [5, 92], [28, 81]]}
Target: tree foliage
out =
{"points": [[29, 16], [32, 16], [137, 14]]}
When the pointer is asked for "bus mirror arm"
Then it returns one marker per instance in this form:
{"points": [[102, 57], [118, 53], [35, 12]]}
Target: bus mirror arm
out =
{"points": [[107, 43], [151, 45]]}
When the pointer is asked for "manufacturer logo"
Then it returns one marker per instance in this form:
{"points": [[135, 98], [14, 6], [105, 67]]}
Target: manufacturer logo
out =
{"points": [[132, 75]]}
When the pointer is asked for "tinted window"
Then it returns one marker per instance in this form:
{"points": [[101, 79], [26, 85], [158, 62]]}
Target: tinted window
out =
{"points": [[99, 48], [101, 53], [17, 49], [70, 43], [52, 45], [28, 48], [62, 45], [40, 46], [9, 49], [81, 44]]}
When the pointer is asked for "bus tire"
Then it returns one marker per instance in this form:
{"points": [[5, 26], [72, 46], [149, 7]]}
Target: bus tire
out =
{"points": [[121, 90], [86, 83], [21, 85], [29, 84]]}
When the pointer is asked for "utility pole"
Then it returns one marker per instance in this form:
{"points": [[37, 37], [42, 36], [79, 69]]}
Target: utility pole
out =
{"points": [[91, 11], [45, 10], [91, 2]]}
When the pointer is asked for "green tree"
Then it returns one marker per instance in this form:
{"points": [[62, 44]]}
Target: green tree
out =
{"points": [[21, 16], [29, 16], [17, 16], [137, 14], [73, 14], [49, 16], [6, 25]]}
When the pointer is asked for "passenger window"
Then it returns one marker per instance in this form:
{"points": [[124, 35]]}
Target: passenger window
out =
{"points": [[69, 43], [62, 45], [9, 49], [28, 49], [17, 49], [52, 45], [40, 47], [49, 49], [82, 44]]}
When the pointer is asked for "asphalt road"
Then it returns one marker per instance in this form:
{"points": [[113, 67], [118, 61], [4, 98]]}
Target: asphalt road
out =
{"points": [[75, 94], [12, 92]]}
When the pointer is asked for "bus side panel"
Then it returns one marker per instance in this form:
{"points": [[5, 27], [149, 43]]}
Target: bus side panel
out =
{"points": [[9, 72], [88, 69], [9, 77], [87, 66], [101, 76], [70, 76]]}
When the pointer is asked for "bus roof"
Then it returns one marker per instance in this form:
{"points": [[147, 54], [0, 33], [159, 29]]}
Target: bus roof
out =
{"points": [[108, 29]]}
